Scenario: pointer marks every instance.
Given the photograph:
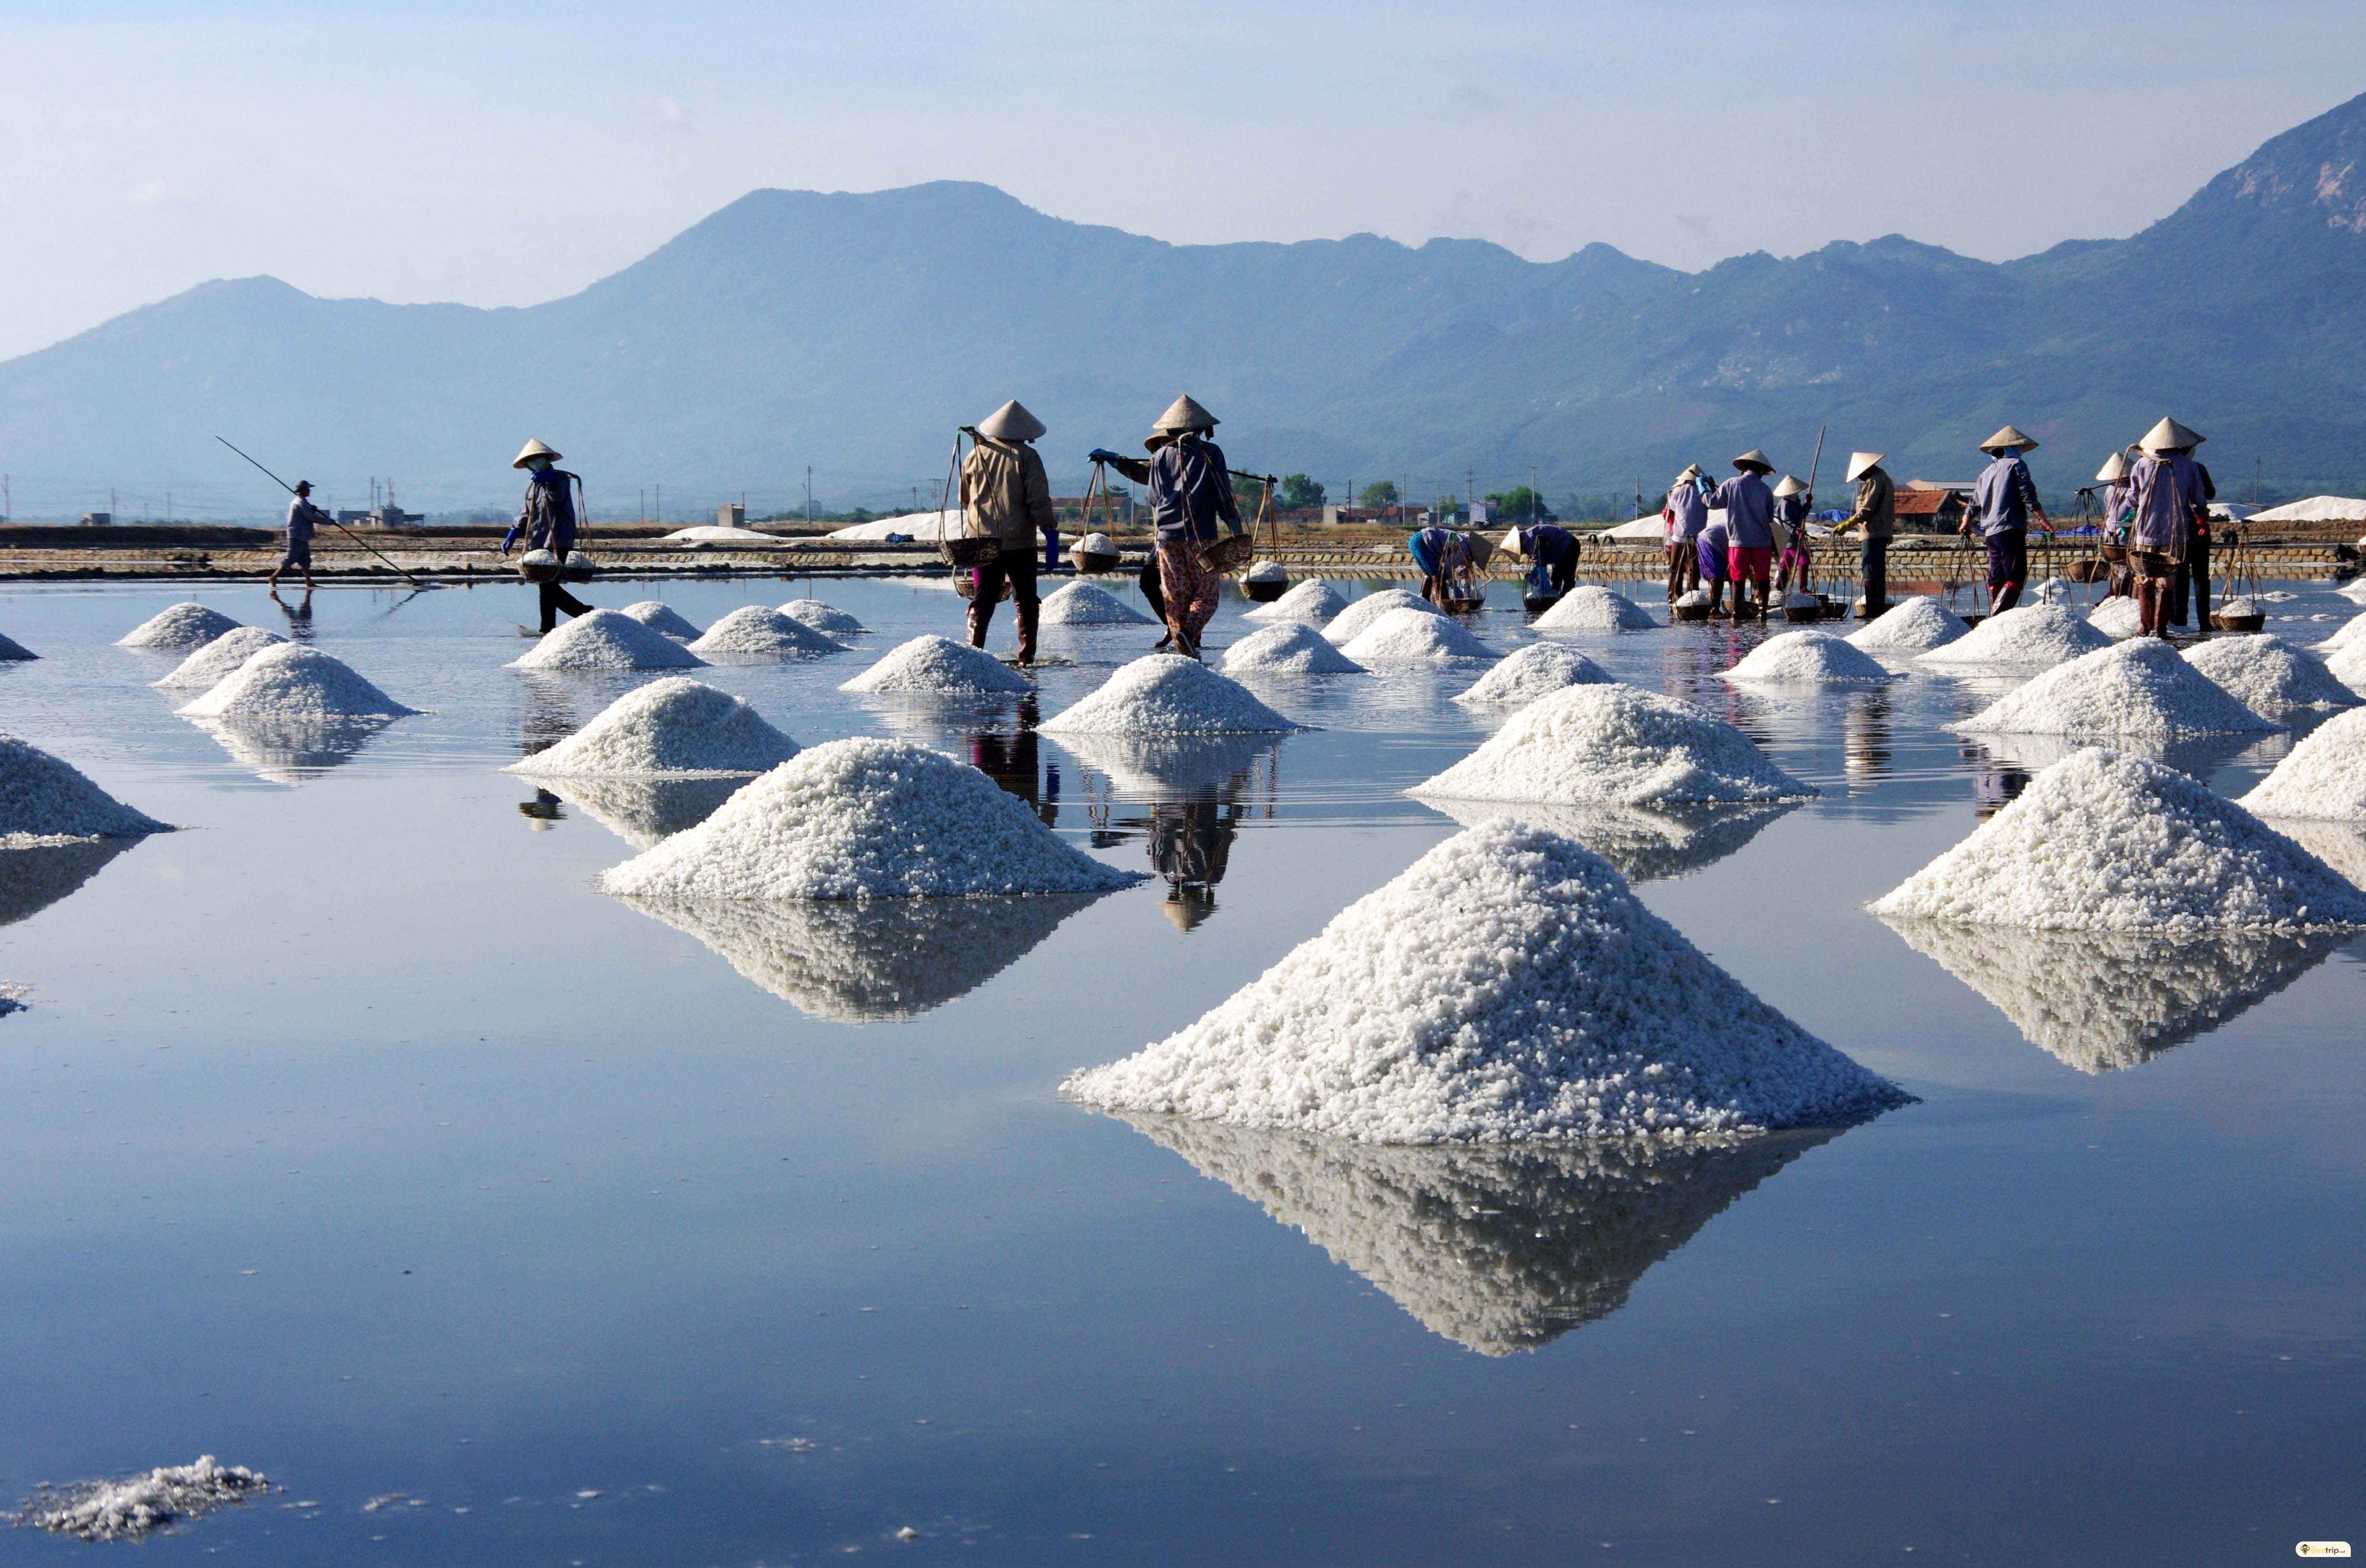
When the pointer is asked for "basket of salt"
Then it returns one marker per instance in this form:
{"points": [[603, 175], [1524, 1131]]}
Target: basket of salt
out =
{"points": [[538, 566], [1095, 554], [578, 568], [1802, 607], [1538, 603], [1692, 607], [1834, 609], [1228, 555], [2239, 616], [1265, 581]]}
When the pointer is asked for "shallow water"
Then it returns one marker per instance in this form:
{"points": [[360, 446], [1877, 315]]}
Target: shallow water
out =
{"points": [[350, 1136]]}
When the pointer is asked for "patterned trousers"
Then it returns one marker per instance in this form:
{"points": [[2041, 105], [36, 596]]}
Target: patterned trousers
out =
{"points": [[1189, 588]]}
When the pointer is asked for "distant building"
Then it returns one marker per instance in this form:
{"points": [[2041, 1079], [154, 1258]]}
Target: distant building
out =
{"points": [[97, 519], [731, 515], [1930, 509]]}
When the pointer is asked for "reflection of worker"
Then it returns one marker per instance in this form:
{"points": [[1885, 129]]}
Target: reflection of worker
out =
{"points": [[1994, 784], [542, 810], [303, 518], [547, 522], [1011, 759], [1005, 493], [1190, 844]]}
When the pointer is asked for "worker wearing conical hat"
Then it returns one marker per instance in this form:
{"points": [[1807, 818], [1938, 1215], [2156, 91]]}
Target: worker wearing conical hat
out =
{"points": [[1191, 493], [2168, 497], [1792, 506], [547, 522], [1681, 518], [1877, 513], [1005, 494], [1748, 508], [2112, 533], [2003, 501]]}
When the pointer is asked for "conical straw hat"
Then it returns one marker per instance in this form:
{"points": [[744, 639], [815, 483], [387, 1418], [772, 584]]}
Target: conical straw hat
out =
{"points": [[1692, 472], [1011, 421], [2009, 439], [1861, 461], [2114, 469], [1790, 485], [1513, 544], [2170, 437], [1755, 460], [535, 449], [1184, 413]]}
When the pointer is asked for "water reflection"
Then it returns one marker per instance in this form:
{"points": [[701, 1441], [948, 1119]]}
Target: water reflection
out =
{"points": [[33, 879], [1865, 733], [547, 717], [299, 616], [1647, 844], [2103, 1000], [1176, 767], [643, 812], [2200, 756], [292, 751], [1500, 1249], [1994, 784], [1012, 757], [543, 812], [1201, 790]]}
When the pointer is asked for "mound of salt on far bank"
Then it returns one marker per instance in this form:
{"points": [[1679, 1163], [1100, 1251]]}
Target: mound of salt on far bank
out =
{"points": [[12, 651], [2140, 687], [1165, 694], [186, 625], [1590, 607], [1816, 657], [132, 1509], [44, 800], [2106, 841], [1350, 623], [1293, 648], [661, 617], [937, 666], [2324, 776], [2026, 636], [673, 726], [1530, 672], [2268, 675], [758, 631], [1909, 626], [866, 818], [2352, 633], [1408, 636], [2118, 617], [1313, 600], [1090, 605], [290, 681], [827, 619], [1614, 744], [1507, 986], [219, 658], [605, 639]]}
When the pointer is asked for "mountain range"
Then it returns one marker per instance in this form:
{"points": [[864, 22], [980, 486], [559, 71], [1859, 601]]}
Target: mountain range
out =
{"points": [[854, 333]]}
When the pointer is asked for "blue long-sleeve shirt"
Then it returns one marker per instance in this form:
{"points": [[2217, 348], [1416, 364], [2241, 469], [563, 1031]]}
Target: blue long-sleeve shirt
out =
{"points": [[2005, 496], [1191, 492], [1749, 506]]}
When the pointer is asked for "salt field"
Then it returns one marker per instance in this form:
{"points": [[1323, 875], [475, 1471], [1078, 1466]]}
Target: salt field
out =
{"points": [[462, 1196]]}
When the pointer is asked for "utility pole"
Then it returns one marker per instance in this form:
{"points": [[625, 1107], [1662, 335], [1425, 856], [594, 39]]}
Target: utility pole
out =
{"points": [[808, 495], [660, 489], [1535, 502]]}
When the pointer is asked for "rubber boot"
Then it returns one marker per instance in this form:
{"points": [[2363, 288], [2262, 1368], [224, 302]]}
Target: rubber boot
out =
{"points": [[1029, 615], [981, 614]]}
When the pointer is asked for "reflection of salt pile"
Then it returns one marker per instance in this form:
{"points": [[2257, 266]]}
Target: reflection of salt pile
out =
{"points": [[1646, 845], [1818, 657], [864, 962], [675, 725], [2324, 776], [1909, 625], [12, 652], [662, 618], [644, 811], [1531, 673], [758, 631], [2101, 1000], [936, 666], [186, 625], [219, 658], [1589, 608], [1090, 605], [1499, 1249], [292, 751], [1507, 987], [1313, 600], [1350, 623], [2106, 841], [1166, 694], [128, 1511], [604, 640], [1169, 767], [1409, 637], [46, 801], [32, 879], [2268, 675], [2118, 617], [1614, 744], [2026, 636], [1293, 648], [866, 818], [288, 681], [2130, 688], [827, 619]]}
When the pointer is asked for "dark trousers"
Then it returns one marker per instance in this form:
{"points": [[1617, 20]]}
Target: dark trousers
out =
{"points": [[1017, 568], [2193, 578], [1872, 561], [555, 598], [1683, 571], [1564, 573]]}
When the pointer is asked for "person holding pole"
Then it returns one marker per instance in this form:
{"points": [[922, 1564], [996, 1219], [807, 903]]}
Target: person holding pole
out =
{"points": [[1004, 492], [1190, 493], [547, 521], [1748, 508], [1681, 518], [2003, 501], [1877, 513], [1792, 504], [303, 517]]}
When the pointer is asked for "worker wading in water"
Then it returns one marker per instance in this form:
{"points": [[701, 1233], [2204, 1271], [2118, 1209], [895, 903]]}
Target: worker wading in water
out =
{"points": [[1551, 549], [2165, 496], [2003, 501], [1792, 504], [1877, 513], [1682, 520], [546, 522], [1438, 554], [1748, 508], [1004, 494], [2113, 477], [303, 518], [1190, 493]]}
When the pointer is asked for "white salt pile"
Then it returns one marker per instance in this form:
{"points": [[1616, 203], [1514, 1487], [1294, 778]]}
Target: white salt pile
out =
{"points": [[1802, 601], [1531, 673], [290, 681], [866, 818], [758, 631], [186, 625], [2352, 634], [1693, 598], [130, 1510], [2053, 590], [2324, 776], [1909, 625], [674, 727], [1807, 657], [1408, 636], [2141, 687], [2349, 666], [605, 639], [1590, 607], [46, 801], [1090, 605], [936, 666], [2026, 636], [1350, 624], [1507, 986], [2354, 589], [827, 619], [1313, 600], [2117, 616], [1266, 571], [219, 658], [659, 616], [1166, 694], [2268, 675], [12, 651], [1614, 744], [1293, 648], [2106, 841], [2241, 607], [1097, 544]]}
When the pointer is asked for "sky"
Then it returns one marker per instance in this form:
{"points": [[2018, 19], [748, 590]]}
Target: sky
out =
{"points": [[505, 154]]}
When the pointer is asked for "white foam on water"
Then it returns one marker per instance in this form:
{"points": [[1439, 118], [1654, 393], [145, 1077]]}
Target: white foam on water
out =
{"points": [[662, 617], [186, 625], [1313, 600], [2324, 776], [1294, 647], [1909, 625], [938, 666], [2105, 841], [758, 631], [219, 658], [673, 727], [2268, 675], [605, 639], [1590, 607], [827, 619], [1618, 745], [2118, 617], [2026, 636], [1808, 655], [1090, 605], [1349, 624], [290, 681], [130, 1510], [1530, 672], [1408, 636], [12, 651], [2140, 687], [1507, 986], [45, 800], [1166, 694]]}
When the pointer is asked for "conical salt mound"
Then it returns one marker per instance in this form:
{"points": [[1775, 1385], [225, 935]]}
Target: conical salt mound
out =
{"points": [[1909, 625], [2324, 776], [219, 658], [2026, 637], [1808, 657], [2268, 675], [661, 617], [1088, 605], [290, 681], [1408, 636], [827, 619], [2349, 666], [185, 626], [605, 639], [1644, 843], [938, 666], [1589, 608], [46, 801], [2129, 688], [1613, 744], [2118, 617], [2105, 841], [1507, 986], [642, 810], [1533, 672], [866, 818], [758, 631], [1350, 623], [1166, 694], [1313, 601], [1293, 648], [2350, 635], [676, 725], [12, 652]]}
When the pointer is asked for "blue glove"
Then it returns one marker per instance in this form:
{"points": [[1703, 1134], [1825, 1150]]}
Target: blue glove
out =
{"points": [[1103, 454], [509, 538]]}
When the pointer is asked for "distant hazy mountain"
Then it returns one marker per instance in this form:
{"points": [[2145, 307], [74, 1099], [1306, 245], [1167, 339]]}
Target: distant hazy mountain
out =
{"points": [[854, 333]]}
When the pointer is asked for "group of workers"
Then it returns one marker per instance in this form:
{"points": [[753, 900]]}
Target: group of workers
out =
{"points": [[1734, 533]]}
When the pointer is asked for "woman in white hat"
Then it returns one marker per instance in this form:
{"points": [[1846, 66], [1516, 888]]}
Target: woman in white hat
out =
{"points": [[1748, 508], [1792, 504], [2166, 496], [2003, 501], [2113, 477], [1877, 513], [1004, 492], [547, 522], [1681, 518]]}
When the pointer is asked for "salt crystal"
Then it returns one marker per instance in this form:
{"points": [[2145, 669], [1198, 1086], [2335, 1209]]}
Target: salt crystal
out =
{"points": [[1807, 656], [659, 616], [1530, 672], [937, 666], [758, 631], [2118, 617], [2053, 590], [186, 625], [1293, 648], [46, 801], [131, 1510], [290, 681], [220, 658], [603, 639], [1097, 544], [1909, 625], [1350, 624], [2349, 666], [1408, 636], [2268, 675], [1166, 694], [2324, 776], [1590, 607], [1614, 744], [1693, 599], [2027, 636], [827, 619], [1802, 601], [2240, 607], [1313, 600], [674, 727], [1090, 605], [2141, 687]]}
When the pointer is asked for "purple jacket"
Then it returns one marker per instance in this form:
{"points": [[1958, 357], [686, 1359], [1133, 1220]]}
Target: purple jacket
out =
{"points": [[1190, 491], [2005, 496], [547, 518], [1691, 512], [2166, 492], [1748, 511]]}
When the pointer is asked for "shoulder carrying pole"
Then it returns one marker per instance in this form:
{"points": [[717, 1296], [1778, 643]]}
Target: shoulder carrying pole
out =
{"points": [[417, 586]]}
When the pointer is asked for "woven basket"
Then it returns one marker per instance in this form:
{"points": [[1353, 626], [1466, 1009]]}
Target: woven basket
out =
{"points": [[2238, 623], [1264, 590], [2116, 554], [1689, 612], [2089, 569], [971, 552], [538, 566], [1538, 603], [1801, 613], [1093, 563], [1228, 555], [579, 568]]}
